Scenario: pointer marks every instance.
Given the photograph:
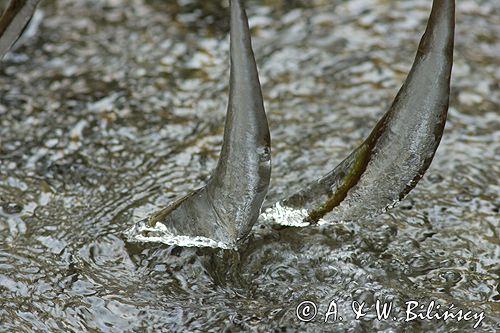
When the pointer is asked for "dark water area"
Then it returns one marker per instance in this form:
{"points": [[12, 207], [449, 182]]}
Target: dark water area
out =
{"points": [[112, 109]]}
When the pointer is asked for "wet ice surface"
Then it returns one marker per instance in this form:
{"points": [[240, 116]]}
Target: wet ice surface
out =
{"points": [[115, 109]]}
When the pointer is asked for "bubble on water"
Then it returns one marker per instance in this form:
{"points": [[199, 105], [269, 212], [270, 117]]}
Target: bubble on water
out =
{"points": [[12, 208], [452, 277], [435, 178]]}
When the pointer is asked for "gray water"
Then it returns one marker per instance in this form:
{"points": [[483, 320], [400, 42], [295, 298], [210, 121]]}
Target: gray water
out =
{"points": [[113, 109]]}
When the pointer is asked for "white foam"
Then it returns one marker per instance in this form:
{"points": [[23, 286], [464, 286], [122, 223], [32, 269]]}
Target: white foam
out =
{"points": [[141, 232], [286, 215]]}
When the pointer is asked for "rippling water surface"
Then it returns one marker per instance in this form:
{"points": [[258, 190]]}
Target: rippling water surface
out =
{"points": [[114, 108]]}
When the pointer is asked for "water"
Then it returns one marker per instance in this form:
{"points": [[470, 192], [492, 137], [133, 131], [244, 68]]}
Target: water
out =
{"points": [[113, 109]]}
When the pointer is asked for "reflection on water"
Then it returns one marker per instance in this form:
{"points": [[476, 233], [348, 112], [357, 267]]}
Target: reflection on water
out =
{"points": [[116, 108]]}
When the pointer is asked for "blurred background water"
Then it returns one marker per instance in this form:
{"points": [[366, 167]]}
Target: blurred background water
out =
{"points": [[113, 108]]}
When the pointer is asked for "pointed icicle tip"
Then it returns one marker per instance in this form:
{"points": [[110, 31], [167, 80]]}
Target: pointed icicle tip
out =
{"points": [[224, 211]]}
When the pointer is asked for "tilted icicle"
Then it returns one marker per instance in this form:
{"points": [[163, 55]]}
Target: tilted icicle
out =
{"points": [[390, 162], [225, 210]]}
